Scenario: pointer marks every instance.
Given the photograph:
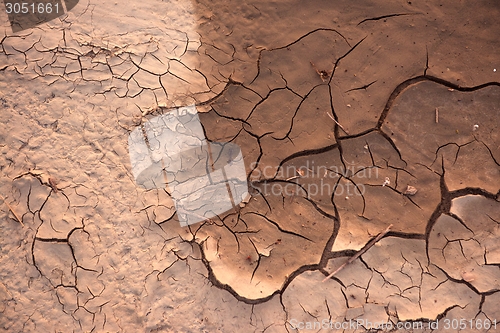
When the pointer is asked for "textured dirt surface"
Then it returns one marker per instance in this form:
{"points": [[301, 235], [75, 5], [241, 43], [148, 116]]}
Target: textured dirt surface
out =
{"points": [[351, 116]]}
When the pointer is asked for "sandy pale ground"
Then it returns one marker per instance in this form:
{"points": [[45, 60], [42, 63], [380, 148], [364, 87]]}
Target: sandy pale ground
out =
{"points": [[351, 116]]}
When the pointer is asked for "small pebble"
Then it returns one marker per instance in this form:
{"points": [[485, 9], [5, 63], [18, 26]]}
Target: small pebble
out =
{"points": [[410, 190], [387, 181]]}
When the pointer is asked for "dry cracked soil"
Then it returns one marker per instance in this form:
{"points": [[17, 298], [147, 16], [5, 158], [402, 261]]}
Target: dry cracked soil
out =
{"points": [[351, 116]]}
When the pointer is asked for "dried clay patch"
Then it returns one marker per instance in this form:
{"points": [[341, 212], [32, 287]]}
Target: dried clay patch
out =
{"points": [[359, 120]]}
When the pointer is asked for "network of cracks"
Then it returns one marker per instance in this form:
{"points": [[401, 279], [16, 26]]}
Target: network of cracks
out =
{"points": [[322, 186]]}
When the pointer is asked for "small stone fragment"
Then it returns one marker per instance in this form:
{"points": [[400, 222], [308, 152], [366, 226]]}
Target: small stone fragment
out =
{"points": [[387, 181], [410, 190], [245, 197]]}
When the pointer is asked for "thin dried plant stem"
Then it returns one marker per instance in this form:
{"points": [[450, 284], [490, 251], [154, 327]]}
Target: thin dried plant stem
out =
{"points": [[12, 211], [336, 122], [360, 252], [437, 115]]}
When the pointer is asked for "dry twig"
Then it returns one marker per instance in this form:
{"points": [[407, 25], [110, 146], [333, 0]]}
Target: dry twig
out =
{"points": [[336, 122], [12, 211], [360, 252]]}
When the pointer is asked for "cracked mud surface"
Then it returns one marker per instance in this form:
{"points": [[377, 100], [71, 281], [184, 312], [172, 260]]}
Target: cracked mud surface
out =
{"points": [[350, 118]]}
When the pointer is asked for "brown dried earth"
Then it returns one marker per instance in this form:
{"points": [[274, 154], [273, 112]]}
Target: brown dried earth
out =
{"points": [[342, 110]]}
